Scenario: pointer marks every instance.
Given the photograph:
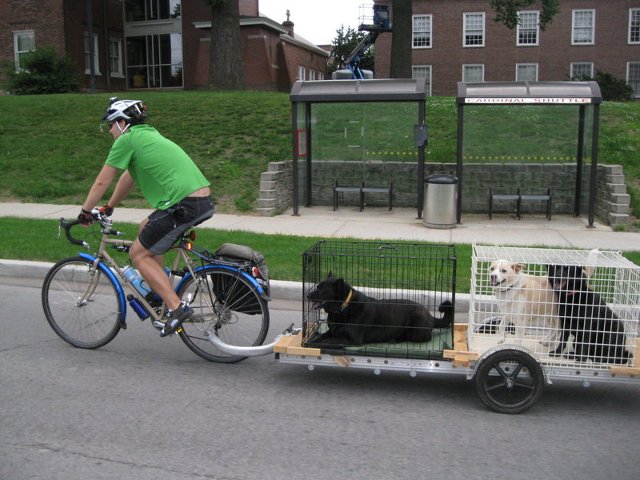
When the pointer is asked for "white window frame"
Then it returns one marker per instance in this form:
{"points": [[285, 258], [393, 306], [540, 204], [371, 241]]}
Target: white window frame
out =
{"points": [[96, 55], [116, 58], [534, 30], [312, 74], [634, 26], [636, 91], [423, 71], [474, 66], [466, 32], [575, 27], [573, 65], [527, 65], [302, 72], [423, 35], [17, 53]]}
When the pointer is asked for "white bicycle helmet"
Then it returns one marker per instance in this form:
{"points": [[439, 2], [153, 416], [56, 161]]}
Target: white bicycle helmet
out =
{"points": [[131, 111]]}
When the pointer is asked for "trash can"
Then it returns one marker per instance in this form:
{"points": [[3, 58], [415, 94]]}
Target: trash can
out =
{"points": [[440, 201]]}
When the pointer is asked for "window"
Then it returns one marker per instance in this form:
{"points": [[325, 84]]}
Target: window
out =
{"points": [[581, 70], [301, 73], [634, 25], [115, 57], [312, 75], [87, 53], [154, 61], [24, 41], [422, 71], [473, 30], [421, 33], [145, 10], [583, 27], [528, 29], [473, 73], [633, 77], [527, 72]]}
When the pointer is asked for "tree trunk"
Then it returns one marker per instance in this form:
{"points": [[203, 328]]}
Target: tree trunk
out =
{"points": [[226, 68], [401, 39]]}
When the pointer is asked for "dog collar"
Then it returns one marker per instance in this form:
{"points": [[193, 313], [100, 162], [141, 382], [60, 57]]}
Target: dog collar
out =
{"points": [[345, 304]]}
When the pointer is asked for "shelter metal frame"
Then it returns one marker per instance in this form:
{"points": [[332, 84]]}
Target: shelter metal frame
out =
{"points": [[581, 94], [308, 93]]}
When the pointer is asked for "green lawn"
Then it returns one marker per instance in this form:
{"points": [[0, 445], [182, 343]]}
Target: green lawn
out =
{"points": [[51, 147]]}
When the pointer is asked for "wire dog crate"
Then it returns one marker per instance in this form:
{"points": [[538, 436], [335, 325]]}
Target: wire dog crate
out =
{"points": [[386, 274], [567, 308]]}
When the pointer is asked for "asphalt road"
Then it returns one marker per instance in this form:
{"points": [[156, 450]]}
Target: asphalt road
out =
{"points": [[147, 408]]}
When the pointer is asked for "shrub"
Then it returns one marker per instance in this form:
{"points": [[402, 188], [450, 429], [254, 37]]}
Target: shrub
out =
{"points": [[612, 88], [43, 71]]}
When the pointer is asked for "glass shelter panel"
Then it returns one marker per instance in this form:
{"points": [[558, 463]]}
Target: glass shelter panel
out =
{"points": [[524, 134], [365, 131]]}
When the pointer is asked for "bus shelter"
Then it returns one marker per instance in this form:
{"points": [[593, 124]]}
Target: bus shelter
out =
{"points": [[543, 122], [347, 130]]}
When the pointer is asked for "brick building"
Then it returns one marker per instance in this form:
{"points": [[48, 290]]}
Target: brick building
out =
{"points": [[140, 44], [459, 40]]}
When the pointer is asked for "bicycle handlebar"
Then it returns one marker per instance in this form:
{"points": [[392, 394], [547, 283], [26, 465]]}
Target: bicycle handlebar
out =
{"points": [[104, 221], [66, 226]]}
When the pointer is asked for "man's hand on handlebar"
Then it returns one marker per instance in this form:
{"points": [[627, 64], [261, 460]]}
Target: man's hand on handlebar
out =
{"points": [[86, 218], [106, 210]]}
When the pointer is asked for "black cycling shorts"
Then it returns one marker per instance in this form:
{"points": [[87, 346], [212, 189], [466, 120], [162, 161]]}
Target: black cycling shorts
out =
{"points": [[166, 226]]}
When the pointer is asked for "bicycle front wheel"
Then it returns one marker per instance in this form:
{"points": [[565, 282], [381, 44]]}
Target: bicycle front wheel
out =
{"points": [[81, 303], [225, 304]]}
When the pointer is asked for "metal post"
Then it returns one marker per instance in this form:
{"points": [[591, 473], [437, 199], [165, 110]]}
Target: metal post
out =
{"points": [[294, 155], [579, 164], [421, 157], [593, 187], [92, 50], [459, 160], [308, 146]]}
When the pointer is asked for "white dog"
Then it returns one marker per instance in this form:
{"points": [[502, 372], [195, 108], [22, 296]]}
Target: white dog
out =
{"points": [[525, 301]]}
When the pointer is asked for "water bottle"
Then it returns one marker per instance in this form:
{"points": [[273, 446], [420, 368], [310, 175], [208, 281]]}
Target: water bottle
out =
{"points": [[137, 307], [136, 280]]}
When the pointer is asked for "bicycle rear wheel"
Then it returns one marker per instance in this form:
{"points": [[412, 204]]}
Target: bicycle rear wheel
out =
{"points": [[81, 303], [225, 304]]}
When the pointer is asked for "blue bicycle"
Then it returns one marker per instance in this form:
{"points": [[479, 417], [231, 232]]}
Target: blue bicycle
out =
{"points": [[85, 297]]}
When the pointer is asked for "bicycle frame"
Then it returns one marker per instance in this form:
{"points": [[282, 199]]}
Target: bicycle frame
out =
{"points": [[106, 264], [110, 267]]}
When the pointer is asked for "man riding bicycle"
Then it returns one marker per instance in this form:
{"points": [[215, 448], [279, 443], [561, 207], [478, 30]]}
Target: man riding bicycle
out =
{"points": [[169, 180]]}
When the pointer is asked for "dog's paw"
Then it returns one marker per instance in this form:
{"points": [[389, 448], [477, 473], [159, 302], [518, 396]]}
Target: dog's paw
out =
{"points": [[445, 306]]}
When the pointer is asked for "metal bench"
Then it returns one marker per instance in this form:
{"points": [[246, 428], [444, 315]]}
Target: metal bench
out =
{"points": [[361, 190], [539, 198], [504, 197], [519, 198]]}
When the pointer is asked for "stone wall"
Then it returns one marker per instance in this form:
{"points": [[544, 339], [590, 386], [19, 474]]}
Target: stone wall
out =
{"points": [[612, 200]]}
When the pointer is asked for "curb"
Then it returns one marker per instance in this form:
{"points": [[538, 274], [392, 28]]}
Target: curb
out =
{"points": [[280, 289]]}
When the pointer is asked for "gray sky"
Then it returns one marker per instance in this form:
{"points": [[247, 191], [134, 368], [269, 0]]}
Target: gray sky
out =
{"points": [[317, 20]]}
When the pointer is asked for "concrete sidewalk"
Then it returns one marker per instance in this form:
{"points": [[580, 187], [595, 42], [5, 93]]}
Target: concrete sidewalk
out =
{"points": [[372, 223], [561, 231]]}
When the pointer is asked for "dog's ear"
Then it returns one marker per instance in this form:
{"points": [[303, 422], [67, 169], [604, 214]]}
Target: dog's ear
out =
{"points": [[517, 267], [330, 274]]}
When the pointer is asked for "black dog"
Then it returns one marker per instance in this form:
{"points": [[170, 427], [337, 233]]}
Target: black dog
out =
{"points": [[355, 318], [598, 333]]}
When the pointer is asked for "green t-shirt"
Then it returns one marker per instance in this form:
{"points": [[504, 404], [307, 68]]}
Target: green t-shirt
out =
{"points": [[161, 169]]}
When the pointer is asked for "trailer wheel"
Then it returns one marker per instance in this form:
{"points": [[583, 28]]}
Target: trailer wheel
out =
{"points": [[509, 381]]}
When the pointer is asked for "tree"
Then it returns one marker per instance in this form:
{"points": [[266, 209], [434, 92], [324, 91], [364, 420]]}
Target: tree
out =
{"points": [[344, 44], [507, 11], [226, 69], [401, 40]]}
